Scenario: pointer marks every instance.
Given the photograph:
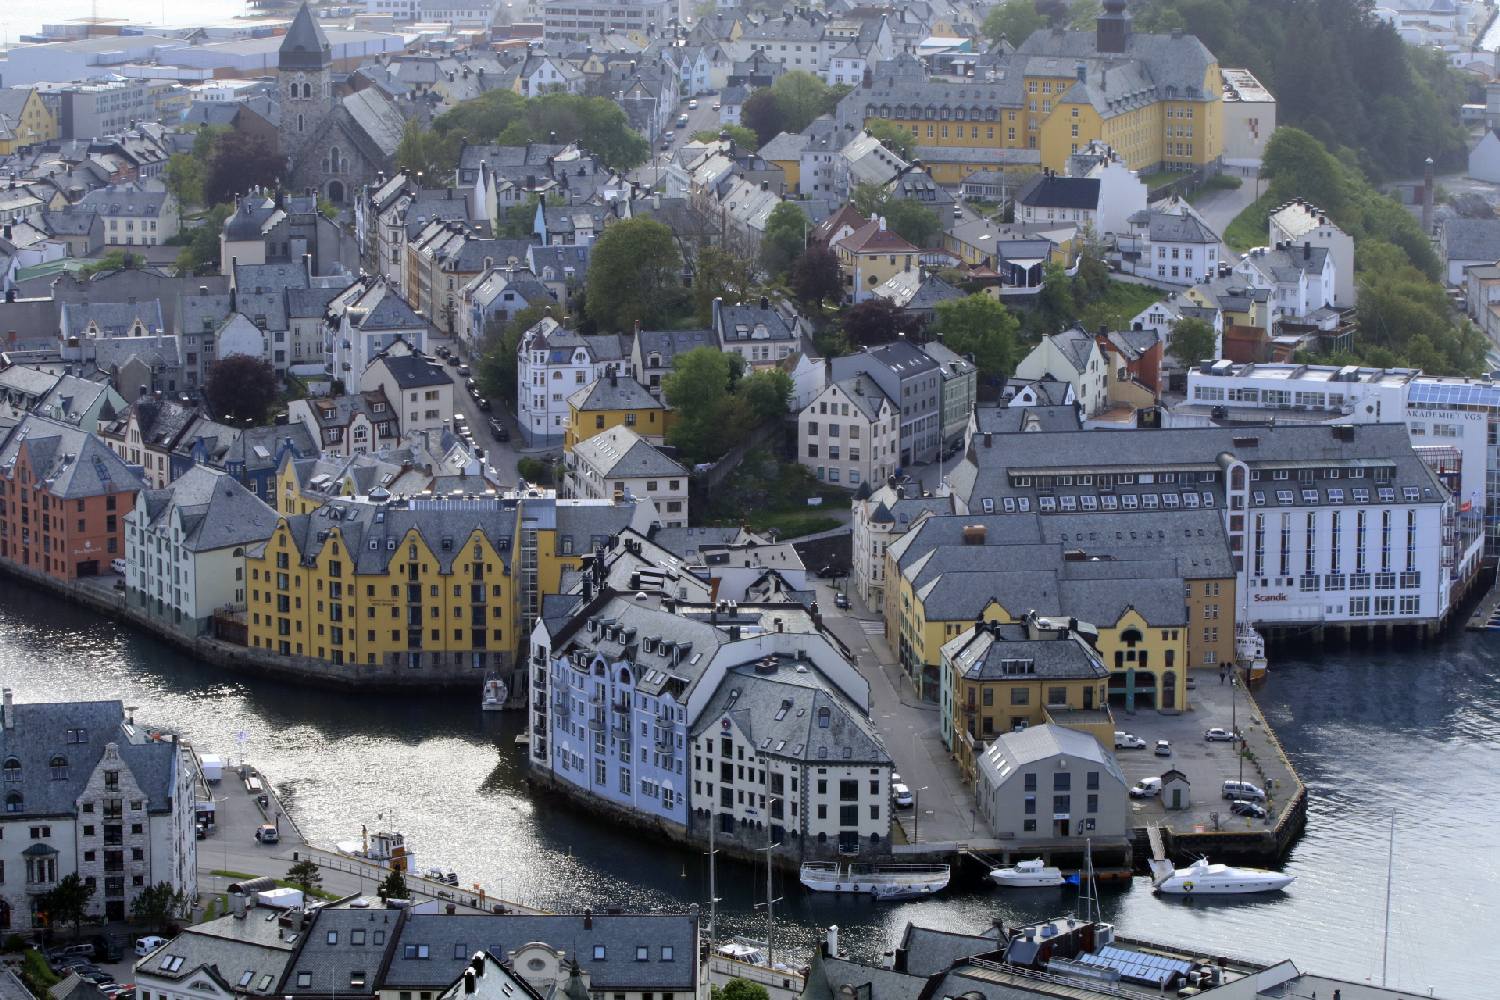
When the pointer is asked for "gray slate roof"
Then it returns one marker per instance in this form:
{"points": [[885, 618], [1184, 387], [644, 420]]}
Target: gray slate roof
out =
{"points": [[413, 371], [1471, 239], [780, 714], [215, 510], [225, 949], [70, 463], [614, 393], [621, 453], [1185, 228]]}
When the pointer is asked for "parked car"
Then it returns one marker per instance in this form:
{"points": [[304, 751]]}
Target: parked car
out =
{"points": [[483, 404], [1128, 741], [498, 430], [682, 121], [459, 419], [452, 359], [693, 104], [98, 977], [463, 370], [902, 796], [1243, 790], [1244, 807], [1218, 734], [1146, 788], [841, 601], [146, 945], [1163, 748], [268, 834], [718, 106], [83, 949], [117, 566]]}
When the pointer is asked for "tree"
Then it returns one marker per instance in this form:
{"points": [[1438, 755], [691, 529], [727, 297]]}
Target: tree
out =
{"points": [[68, 902], [1191, 340], [1014, 21], [766, 394], [428, 152], [482, 118], [496, 371], [185, 176], [784, 240], [203, 250], [912, 221], [394, 886], [741, 136], [981, 326], [817, 276], [868, 198], [633, 272], [240, 162], [115, 260], [305, 875], [595, 123], [698, 389], [240, 388], [519, 221], [762, 114], [741, 989], [892, 136], [158, 905], [876, 321], [801, 96], [720, 275]]}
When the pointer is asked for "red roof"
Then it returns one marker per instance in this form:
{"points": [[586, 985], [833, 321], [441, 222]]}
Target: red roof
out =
{"points": [[871, 238]]}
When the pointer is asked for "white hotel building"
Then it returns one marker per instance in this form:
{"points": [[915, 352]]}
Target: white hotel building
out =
{"points": [[1454, 423], [682, 714], [1339, 525]]}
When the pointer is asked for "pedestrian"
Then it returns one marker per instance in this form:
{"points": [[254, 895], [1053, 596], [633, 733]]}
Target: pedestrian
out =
{"points": [[1222, 673]]}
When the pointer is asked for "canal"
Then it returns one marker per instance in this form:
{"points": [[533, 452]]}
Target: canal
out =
{"points": [[1412, 733]]}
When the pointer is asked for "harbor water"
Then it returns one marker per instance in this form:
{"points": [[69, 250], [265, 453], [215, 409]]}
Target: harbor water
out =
{"points": [[1413, 734], [24, 17]]}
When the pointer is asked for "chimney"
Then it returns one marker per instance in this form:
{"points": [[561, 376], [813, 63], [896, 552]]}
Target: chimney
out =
{"points": [[588, 919], [238, 905], [882, 223], [468, 977], [1428, 186], [974, 534], [450, 909], [989, 439], [613, 381], [8, 713], [765, 302], [1306, 250]]}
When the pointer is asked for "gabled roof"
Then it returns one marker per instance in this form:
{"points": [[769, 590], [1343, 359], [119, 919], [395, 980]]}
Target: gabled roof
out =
{"points": [[614, 392], [1052, 191], [874, 237], [66, 461], [215, 511], [621, 453]]}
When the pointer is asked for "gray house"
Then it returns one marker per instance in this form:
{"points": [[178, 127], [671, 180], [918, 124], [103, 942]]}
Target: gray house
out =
{"points": [[1049, 784], [915, 382]]}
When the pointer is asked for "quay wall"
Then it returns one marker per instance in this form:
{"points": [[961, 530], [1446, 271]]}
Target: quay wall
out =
{"points": [[248, 660]]}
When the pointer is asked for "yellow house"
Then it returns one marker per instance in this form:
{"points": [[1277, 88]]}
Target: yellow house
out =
{"points": [[24, 120], [615, 401], [1002, 677], [870, 256]]}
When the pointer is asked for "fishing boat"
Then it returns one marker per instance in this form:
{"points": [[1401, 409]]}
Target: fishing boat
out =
{"points": [[1204, 879], [1027, 875], [915, 880], [495, 694], [386, 848], [1250, 651]]}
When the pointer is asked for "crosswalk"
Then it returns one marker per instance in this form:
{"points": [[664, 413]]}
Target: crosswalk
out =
{"points": [[869, 627]]}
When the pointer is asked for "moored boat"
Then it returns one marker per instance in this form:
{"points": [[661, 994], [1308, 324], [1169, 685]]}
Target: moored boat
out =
{"points": [[745, 958], [495, 694], [915, 880], [1031, 874], [1204, 879], [1250, 651]]}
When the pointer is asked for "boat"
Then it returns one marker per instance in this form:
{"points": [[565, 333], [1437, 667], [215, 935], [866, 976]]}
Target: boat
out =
{"points": [[495, 693], [895, 893], [1204, 879], [747, 958], [384, 847], [1250, 651], [1027, 875], [829, 876]]}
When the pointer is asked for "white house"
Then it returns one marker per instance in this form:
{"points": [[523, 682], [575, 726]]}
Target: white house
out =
{"points": [[1072, 357], [240, 336], [136, 213], [1122, 194], [619, 462], [849, 433], [1300, 278], [878, 521], [185, 547], [1179, 249], [192, 966], [1078, 783], [1484, 158], [420, 389], [365, 319], [354, 424], [1299, 223], [85, 795], [551, 364]]}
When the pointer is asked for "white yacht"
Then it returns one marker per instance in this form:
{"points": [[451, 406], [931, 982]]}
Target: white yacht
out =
{"points": [[746, 958], [1027, 875], [495, 694], [1250, 651], [894, 881], [1203, 879]]}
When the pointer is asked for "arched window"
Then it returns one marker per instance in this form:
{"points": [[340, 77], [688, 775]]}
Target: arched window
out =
{"points": [[307, 90], [14, 802], [12, 769], [59, 766], [1130, 636], [624, 675], [824, 715]]}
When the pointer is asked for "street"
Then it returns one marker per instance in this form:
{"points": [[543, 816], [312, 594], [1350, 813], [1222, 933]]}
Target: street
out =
{"points": [[649, 174]]}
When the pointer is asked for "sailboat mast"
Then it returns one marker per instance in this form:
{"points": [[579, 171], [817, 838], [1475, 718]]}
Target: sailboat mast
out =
{"points": [[1385, 941], [713, 894], [770, 899]]}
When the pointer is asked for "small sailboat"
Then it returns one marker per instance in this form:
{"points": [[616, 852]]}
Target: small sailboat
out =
{"points": [[495, 693], [1031, 874], [747, 958], [1204, 879]]}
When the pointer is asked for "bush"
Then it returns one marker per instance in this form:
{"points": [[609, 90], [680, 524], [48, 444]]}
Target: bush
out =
{"points": [[37, 974], [1223, 182], [13, 942], [535, 470]]}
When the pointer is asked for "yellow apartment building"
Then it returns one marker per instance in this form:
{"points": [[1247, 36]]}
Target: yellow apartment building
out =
{"points": [[615, 401]]}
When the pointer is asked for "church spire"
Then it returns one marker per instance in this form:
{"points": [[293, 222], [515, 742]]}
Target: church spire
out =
{"points": [[305, 47]]}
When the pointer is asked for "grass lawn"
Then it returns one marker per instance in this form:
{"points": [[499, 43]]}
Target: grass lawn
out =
{"points": [[1119, 306], [1248, 229], [1159, 178], [281, 882], [765, 494]]}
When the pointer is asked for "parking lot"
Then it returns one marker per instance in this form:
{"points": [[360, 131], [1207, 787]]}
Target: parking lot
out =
{"points": [[1206, 765]]}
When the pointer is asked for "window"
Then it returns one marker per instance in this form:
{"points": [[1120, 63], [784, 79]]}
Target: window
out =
{"points": [[598, 952], [642, 953], [304, 980], [667, 953]]}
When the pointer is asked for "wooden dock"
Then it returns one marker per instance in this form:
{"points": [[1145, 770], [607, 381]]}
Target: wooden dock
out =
{"points": [[1486, 616]]}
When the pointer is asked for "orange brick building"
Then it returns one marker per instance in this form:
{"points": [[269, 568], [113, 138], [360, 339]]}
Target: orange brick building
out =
{"points": [[63, 500]]}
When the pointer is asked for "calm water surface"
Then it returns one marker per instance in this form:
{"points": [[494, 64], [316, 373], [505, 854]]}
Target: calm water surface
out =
{"points": [[20, 17], [1414, 733]]}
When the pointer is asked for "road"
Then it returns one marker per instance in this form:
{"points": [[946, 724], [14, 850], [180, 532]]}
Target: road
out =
{"points": [[501, 455], [649, 174], [1218, 209]]}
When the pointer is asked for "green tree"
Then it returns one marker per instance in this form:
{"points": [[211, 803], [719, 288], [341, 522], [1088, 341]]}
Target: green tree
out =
{"points": [[892, 136], [766, 394], [495, 372], [699, 391], [868, 198], [519, 221], [595, 123], [802, 96], [1191, 340], [720, 274], [482, 118], [634, 271], [201, 255], [817, 276], [185, 176], [1055, 304], [68, 902], [394, 887], [741, 136], [981, 326], [158, 905], [784, 240], [115, 260], [912, 221], [427, 152], [762, 114], [741, 989], [1013, 20], [240, 388], [305, 875]]}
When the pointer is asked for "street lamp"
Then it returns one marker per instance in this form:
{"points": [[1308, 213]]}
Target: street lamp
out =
{"points": [[916, 814]]}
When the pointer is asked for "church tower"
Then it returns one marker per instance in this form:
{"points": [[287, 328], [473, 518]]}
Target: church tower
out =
{"points": [[306, 80]]}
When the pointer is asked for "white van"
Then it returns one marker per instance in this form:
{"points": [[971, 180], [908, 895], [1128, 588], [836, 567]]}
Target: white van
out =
{"points": [[117, 566], [1243, 790], [146, 945], [1146, 788]]}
